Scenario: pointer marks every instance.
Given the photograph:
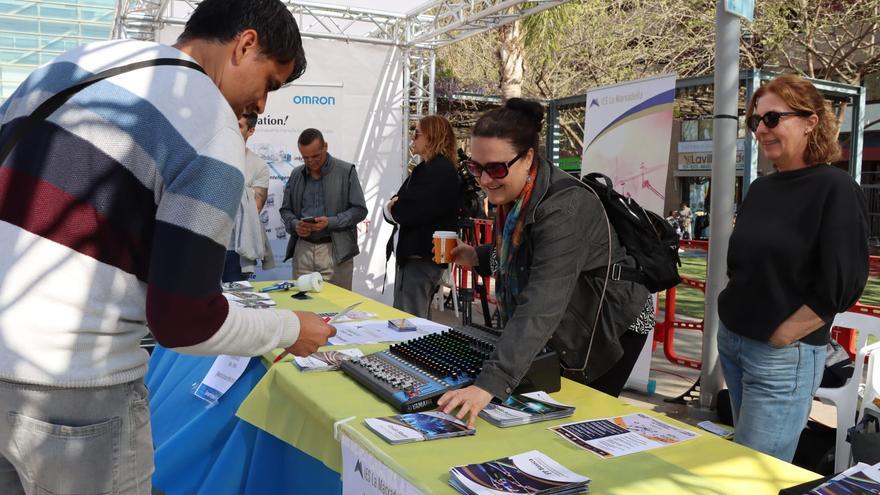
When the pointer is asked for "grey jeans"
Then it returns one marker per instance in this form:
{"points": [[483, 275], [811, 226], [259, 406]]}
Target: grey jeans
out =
{"points": [[415, 284], [82, 441]]}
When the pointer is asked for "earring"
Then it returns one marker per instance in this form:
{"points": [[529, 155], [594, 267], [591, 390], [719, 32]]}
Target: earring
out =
{"points": [[529, 178]]}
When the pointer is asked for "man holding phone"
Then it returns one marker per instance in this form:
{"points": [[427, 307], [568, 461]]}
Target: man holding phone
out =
{"points": [[323, 203]]}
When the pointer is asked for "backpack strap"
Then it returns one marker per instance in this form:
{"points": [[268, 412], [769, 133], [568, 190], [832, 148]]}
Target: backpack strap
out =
{"points": [[618, 270], [55, 101]]}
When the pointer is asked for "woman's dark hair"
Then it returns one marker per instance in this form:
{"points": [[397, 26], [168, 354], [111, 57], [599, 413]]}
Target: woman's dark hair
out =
{"points": [[277, 32], [519, 121]]}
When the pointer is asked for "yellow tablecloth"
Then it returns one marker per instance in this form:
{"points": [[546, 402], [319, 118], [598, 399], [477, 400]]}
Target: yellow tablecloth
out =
{"points": [[301, 408]]}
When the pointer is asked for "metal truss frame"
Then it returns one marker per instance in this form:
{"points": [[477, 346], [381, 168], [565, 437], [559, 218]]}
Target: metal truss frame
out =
{"points": [[418, 33]]}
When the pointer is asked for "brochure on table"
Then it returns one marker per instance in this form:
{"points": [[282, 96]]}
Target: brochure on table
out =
{"points": [[521, 409], [622, 435], [416, 427], [249, 299], [529, 472], [325, 360], [861, 479], [376, 331]]}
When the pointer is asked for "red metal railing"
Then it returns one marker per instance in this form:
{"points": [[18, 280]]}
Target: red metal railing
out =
{"points": [[664, 331], [482, 233]]}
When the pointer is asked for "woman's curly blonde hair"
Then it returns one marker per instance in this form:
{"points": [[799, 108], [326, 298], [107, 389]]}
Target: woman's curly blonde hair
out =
{"points": [[440, 137], [801, 95]]}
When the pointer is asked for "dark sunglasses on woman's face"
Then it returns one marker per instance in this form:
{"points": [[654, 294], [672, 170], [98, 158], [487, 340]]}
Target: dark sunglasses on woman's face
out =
{"points": [[496, 170], [771, 119]]}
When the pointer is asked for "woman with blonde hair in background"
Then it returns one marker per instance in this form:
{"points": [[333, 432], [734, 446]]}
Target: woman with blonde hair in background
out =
{"points": [[427, 201]]}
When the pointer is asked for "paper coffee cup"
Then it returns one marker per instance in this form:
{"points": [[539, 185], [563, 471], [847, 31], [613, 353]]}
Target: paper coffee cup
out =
{"points": [[444, 242]]}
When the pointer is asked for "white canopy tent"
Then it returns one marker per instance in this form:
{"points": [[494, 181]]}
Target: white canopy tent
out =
{"points": [[416, 26], [376, 55], [412, 30]]}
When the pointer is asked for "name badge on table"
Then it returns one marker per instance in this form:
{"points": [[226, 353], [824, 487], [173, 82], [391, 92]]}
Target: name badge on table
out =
{"points": [[225, 371]]}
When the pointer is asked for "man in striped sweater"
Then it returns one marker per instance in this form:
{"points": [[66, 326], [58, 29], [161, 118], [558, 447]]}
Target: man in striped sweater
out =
{"points": [[115, 211]]}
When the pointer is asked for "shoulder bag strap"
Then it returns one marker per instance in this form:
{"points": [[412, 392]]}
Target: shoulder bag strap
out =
{"points": [[49, 106]]}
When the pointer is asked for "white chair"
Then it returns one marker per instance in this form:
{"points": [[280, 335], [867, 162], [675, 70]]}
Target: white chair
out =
{"points": [[846, 398], [872, 382]]}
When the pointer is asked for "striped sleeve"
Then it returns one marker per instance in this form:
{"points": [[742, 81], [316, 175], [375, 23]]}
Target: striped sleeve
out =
{"points": [[185, 308]]}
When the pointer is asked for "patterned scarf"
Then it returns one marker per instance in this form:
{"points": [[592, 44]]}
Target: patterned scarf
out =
{"points": [[509, 224]]}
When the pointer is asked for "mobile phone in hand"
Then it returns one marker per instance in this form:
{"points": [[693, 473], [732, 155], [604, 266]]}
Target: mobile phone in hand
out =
{"points": [[309, 220]]}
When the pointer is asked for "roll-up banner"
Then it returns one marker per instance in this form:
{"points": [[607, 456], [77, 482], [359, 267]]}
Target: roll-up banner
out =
{"points": [[627, 132]]}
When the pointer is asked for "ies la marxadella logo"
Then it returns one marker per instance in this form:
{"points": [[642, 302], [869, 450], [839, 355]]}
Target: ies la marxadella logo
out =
{"points": [[374, 480], [314, 100]]}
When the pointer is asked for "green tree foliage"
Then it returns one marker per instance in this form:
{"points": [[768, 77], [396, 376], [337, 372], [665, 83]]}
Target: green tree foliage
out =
{"points": [[588, 43]]}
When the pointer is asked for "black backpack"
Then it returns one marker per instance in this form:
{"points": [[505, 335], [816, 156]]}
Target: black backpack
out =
{"points": [[647, 237]]}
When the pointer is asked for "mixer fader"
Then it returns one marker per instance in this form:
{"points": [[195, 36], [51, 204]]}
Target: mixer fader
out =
{"points": [[412, 375]]}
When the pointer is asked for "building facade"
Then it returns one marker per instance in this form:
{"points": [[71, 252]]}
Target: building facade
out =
{"points": [[34, 32]]}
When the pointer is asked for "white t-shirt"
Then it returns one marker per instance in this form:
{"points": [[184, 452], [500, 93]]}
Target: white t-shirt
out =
{"points": [[256, 172]]}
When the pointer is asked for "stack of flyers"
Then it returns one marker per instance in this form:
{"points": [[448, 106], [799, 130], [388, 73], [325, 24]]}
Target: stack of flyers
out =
{"points": [[861, 479], [250, 299], [325, 360], [522, 409], [531, 472], [240, 286], [622, 435], [352, 315], [417, 427]]}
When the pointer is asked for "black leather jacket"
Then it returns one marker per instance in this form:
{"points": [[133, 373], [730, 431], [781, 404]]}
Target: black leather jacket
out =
{"points": [[566, 236], [427, 201]]}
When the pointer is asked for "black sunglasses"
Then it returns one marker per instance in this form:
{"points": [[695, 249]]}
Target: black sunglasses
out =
{"points": [[771, 119], [496, 170]]}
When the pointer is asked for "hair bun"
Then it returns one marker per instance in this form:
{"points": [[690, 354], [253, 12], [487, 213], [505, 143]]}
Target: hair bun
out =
{"points": [[530, 108]]}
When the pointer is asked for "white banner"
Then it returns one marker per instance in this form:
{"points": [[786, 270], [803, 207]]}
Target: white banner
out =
{"points": [[353, 93], [363, 474], [289, 111], [627, 131]]}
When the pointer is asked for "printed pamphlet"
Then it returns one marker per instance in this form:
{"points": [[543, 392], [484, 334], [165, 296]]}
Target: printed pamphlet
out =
{"points": [[722, 431], [352, 315], [416, 427], [530, 472], [861, 479], [622, 435], [325, 360], [521, 409], [249, 299], [240, 286]]}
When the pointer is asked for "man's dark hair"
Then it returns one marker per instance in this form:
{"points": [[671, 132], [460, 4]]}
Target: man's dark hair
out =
{"points": [[251, 119], [223, 20], [308, 137]]}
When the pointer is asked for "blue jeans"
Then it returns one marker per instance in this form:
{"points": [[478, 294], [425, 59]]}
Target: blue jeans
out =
{"points": [[771, 390]]}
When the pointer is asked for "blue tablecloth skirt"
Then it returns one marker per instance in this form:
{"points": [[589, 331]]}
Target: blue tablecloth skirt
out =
{"points": [[202, 450]]}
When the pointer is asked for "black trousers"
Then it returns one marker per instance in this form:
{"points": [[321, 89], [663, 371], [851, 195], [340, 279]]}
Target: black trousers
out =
{"points": [[614, 379]]}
